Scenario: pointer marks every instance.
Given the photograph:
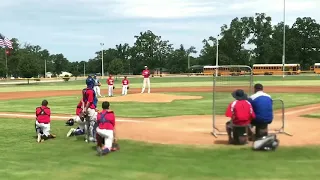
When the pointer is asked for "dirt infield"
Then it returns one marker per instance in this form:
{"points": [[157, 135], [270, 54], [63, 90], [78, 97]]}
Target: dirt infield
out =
{"points": [[194, 130], [270, 89], [148, 98]]}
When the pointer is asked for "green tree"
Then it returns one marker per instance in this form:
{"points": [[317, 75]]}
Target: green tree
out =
{"points": [[116, 67], [261, 32], [28, 65], [306, 34]]}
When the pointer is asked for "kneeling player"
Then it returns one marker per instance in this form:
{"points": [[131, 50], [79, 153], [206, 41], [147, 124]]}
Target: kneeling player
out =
{"points": [[105, 130], [42, 123], [80, 120], [241, 113]]}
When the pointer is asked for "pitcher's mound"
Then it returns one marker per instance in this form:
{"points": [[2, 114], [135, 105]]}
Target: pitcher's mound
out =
{"points": [[152, 97]]}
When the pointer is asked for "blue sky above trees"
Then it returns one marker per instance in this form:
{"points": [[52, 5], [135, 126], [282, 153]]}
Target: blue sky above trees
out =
{"points": [[76, 27]]}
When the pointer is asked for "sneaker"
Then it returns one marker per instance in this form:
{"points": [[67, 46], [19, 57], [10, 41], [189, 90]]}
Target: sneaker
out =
{"points": [[91, 139], [39, 139], [104, 152], [70, 132], [52, 136]]}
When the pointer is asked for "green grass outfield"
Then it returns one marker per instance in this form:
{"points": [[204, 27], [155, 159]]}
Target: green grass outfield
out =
{"points": [[71, 158], [67, 104], [172, 82]]}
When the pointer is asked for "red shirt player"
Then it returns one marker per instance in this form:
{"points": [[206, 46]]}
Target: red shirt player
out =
{"points": [[42, 124], [240, 112], [125, 81], [146, 79], [110, 82], [43, 113], [106, 129], [79, 118], [125, 86], [88, 97], [79, 108]]}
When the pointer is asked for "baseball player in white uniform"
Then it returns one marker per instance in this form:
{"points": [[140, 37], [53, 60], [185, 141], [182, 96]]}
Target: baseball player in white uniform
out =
{"points": [[146, 79], [110, 82], [97, 85], [125, 86]]}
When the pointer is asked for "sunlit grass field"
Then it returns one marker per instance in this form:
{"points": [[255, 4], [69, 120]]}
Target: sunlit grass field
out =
{"points": [[171, 82], [70, 158], [67, 104]]}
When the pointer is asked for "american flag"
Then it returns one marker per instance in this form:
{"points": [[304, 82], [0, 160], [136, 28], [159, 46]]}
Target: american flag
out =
{"points": [[5, 42]]}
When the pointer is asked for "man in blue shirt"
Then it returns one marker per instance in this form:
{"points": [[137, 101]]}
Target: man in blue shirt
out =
{"points": [[262, 105]]}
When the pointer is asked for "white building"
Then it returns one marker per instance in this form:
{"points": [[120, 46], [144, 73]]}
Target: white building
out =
{"points": [[63, 74]]}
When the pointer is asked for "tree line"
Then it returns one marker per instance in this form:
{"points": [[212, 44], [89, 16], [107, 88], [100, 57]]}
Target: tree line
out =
{"points": [[302, 47]]}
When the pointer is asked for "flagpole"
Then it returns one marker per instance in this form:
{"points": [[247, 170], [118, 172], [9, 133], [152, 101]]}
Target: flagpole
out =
{"points": [[5, 54]]}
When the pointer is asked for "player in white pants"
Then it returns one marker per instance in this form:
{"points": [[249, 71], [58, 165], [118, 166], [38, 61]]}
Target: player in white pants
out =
{"points": [[110, 83], [146, 79], [97, 85], [125, 86], [105, 130], [42, 123], [80, 120]]}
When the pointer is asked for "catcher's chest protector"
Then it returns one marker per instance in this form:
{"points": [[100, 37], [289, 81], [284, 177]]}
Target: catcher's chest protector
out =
{"points": [[266, 143]]}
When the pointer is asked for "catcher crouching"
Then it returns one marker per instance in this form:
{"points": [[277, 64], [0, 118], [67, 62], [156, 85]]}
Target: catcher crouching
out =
{"points": [[106, 136]]}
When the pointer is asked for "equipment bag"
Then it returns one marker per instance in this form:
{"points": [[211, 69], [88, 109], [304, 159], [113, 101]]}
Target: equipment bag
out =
{"points": [[266, 143]]}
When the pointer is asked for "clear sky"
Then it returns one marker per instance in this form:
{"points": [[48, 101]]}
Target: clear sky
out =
{"points": [[76, 27]]}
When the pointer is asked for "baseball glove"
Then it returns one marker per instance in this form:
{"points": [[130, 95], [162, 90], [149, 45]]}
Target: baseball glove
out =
{"points": [[115, 146], [128, 87], [113, 87]]}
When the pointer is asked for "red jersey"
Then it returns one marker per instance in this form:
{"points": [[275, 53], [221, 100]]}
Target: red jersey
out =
{"points": [[241, 112], [146, 73], [110, 81], [125, 82], [43, 114], [88, 96], [79, 108], [106, 119]]}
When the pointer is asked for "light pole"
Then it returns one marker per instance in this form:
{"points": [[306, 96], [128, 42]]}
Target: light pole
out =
{"points": [[188, 61], [84, 69], [102, 68], [129, 58], [45, 68], [284, 39], [217, 57]]}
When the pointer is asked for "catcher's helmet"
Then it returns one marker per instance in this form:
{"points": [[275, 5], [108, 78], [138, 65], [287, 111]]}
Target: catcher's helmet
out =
{"points": [[90, 82], [70, 122]]}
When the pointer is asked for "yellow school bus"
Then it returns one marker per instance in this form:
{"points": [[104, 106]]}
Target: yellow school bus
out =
{"points": [[222, 71], [275, 69], [315, 68]]}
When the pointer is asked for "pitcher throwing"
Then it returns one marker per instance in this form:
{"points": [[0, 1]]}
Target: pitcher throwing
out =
{"points": [[146, 79]]}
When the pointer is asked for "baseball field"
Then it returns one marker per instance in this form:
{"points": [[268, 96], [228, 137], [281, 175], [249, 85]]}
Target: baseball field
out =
{"points": [[163, 135]]}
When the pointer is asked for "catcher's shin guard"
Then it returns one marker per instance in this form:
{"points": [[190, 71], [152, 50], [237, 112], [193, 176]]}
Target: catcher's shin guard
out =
{"points": [[92, 131], [38, 130]]}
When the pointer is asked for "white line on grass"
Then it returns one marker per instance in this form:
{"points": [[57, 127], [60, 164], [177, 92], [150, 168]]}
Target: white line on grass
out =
{"points": [[61, 117]]}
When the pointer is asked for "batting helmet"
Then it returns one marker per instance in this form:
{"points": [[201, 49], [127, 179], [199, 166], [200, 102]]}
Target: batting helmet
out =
{"points": [[90, 82], [70, 122]]}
